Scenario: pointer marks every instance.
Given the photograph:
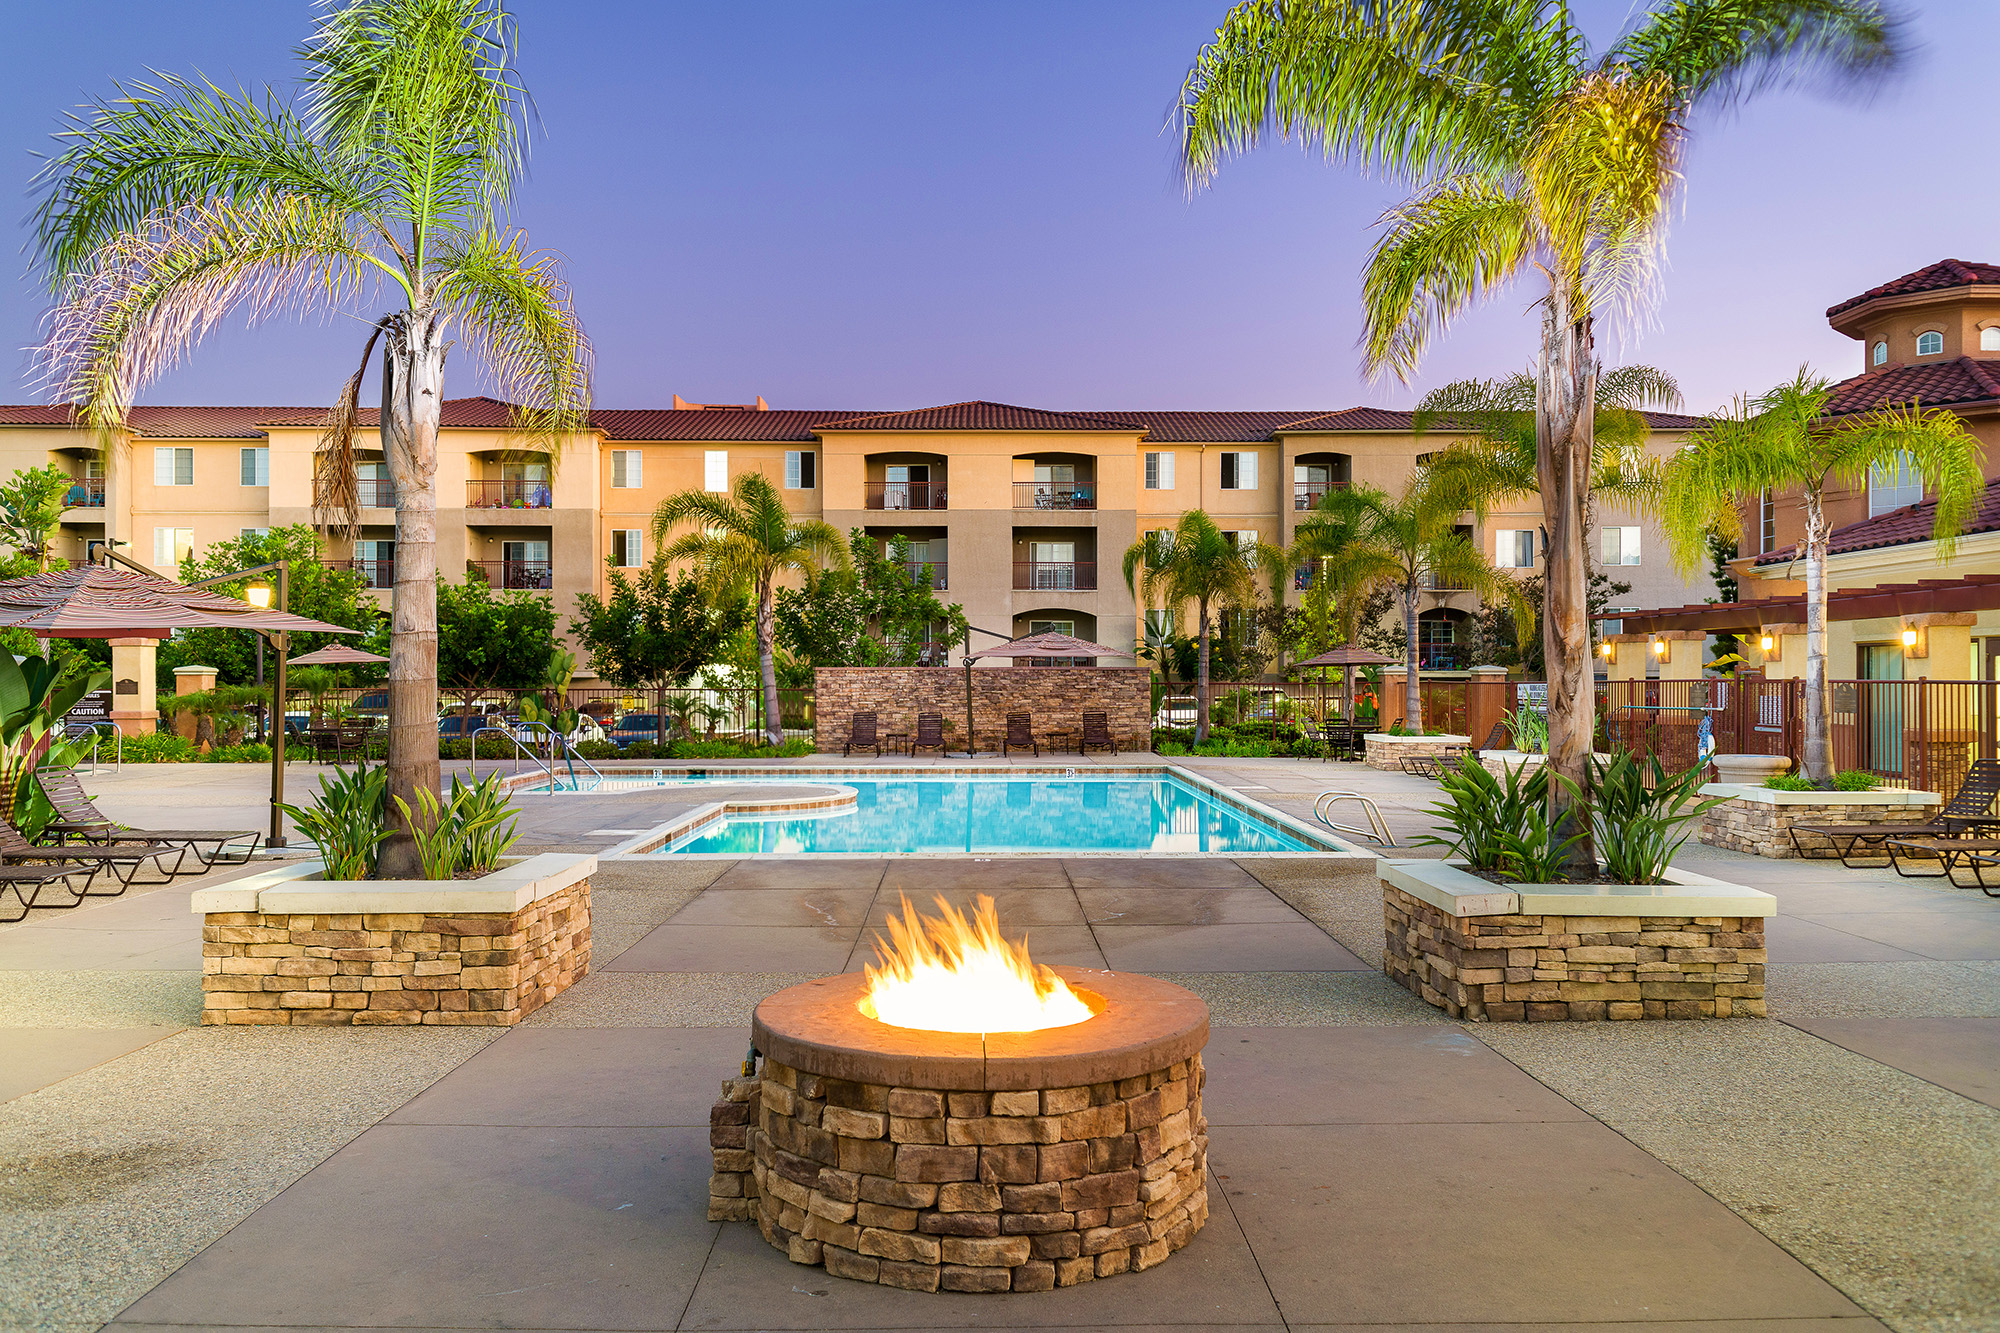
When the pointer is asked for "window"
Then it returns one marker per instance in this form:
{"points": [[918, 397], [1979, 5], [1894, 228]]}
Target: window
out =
{"points": [[1892, 485], [628, 469], [715, 469], [1989, 338], [1767, 522], [255, 532], [1930, 343], [172, 545], [173, 467], [1514, 548], [256, 467], [1159, 472], [1881, 352], [1621, 546], [1239, 472], [1246, 542], [627, 545], [801, 469], [1052, 565]]}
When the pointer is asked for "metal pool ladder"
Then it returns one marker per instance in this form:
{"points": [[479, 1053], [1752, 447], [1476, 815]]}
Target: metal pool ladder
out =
{"points": [[1378, 828]]}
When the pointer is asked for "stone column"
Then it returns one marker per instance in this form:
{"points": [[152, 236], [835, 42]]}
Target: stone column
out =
{"points": [[134, 688], [1389, 707], [1485, 702], [191, 680]]}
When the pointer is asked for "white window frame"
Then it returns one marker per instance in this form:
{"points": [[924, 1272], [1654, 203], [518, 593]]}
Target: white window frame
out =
{"points": [[1767, 521], [628, 469], [628, 547], [715, 470], [801, 469], [173, 466], [254, 532], [1880, 356], [1160, 471], [1239, 470], [1989, 338], [1888, 490], [1927, 337], [1618, 546], [1509, 544], [256, 466], [171, 546]]}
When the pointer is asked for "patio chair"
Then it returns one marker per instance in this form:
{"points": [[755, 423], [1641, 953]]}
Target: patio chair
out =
{"points": [[861, 735], [1319, 739], [930, 733], [1097, 731], [1020, 734], [1496, 739], [27, 882], [124, 862], [1969, 811], [81, 819]]}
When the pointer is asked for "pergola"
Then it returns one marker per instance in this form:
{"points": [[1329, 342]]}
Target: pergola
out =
{"points": [[1971, 592]]}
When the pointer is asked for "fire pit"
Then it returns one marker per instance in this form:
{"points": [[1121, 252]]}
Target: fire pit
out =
{"points": [[1069, 1147]]}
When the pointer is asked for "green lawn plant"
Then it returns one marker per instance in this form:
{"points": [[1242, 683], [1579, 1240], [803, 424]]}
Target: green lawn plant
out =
{"points": [[1643, 814], [1480, 809], [1530, 729], [347, 820], [1848, 779], [470, 832]]}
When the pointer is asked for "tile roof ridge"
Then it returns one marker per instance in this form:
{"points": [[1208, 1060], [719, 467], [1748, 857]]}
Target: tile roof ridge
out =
{"points": [[1987, 379]]}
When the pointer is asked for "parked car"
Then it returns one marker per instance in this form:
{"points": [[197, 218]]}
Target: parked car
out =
{"points": [[459, 726], [639, 727]]}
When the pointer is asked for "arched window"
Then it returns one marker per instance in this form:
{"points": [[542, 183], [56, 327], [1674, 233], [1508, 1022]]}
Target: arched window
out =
{"points": [[1881, 352], [1930, 344], [1989, 338]]}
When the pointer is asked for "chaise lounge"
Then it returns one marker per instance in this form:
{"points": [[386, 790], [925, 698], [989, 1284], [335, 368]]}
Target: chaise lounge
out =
{"points": [[83, 821], [1967, 812]]}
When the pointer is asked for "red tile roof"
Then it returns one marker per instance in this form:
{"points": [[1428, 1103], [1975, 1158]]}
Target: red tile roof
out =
{"points": [[711, 423], [1899, 527], [1205, 427], [979, 414], [1929, 384], [1941, 276]]}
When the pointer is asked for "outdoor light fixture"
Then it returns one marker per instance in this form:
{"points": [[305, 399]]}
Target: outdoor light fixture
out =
{"points": [[1605, 648], [1765, 643], [1659, 647], [259, 595], [1909, 638]]}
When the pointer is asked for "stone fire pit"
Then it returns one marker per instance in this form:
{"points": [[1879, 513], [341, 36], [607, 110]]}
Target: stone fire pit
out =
{"points": [[1015, 1161]]}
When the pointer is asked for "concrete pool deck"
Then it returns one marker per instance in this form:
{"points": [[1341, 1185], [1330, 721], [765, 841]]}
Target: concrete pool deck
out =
{"points": [[1833, 1167]]}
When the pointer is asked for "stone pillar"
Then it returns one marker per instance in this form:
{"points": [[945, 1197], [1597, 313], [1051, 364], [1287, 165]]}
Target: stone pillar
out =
{"points": [[1485, 703], [191, 680], [1682, 660], [1786, 657], [1628, 656], [134, 688], [1389, 706]]}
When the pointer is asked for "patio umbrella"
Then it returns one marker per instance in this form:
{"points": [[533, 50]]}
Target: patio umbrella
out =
{"points": [[1347, 656], [1050, 644], [99, 602], [336, 654]]}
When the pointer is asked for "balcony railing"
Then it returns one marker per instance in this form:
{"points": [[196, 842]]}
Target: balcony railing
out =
{"points": [[915, 569], [507, 495], [905, 495], [1443, 656], [378, 573], [85, 493], [1306, 494], [375, 493], [1441, 583], [1056, 575], [532, 574], [1055, 495]]}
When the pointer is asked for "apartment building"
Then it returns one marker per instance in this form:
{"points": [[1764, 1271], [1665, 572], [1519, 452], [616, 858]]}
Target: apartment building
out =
{"points": [[1022, 514]]}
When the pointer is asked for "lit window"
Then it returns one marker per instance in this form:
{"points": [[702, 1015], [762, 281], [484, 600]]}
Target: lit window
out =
{"points": [[256, 467], [171, 546], [1246, 542], [1239, 472], [801, 469], [256, 533], [1989, 338], [1621, 546], [627, 545], [173, 467], [628, 469], [1881, 352], [1930, 344], [1514, 548], [1159, 472], [1893, 484], [715, 470]]}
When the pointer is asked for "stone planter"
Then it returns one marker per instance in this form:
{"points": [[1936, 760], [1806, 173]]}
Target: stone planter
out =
{"points": [[1500, 762], [1758, 819], [1690, 948], [1750, 769], [1388, 752], [286, 947]]}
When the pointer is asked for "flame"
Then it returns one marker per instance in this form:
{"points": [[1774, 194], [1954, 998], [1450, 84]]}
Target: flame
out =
{"points": [[954, 973]]}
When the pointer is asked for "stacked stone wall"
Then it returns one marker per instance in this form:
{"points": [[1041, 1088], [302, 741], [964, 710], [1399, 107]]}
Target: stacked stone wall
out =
{"points": [[1388, 754], [965, 1191], [468, 968], [1574, 968], [1766, 830], [1056, 697]]}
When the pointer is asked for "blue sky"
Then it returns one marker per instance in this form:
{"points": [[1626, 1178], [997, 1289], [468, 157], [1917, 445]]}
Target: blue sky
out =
{"points": [[890, 205]]}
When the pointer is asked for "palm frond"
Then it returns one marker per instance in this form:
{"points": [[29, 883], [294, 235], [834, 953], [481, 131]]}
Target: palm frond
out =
{"points": [[1726, 50], [515, 307], [336, 480], [1439, 252], [1933, 441]]}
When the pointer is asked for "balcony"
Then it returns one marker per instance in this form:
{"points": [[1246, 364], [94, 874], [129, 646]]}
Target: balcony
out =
{"points": [[915, 569], [1430, 582], [535, 575], [85, 493], [1444, 656], [1056, 575], [905, 495], [507, 495], [375, 493], [1055, 495], [1308, 494], [378, 573]]}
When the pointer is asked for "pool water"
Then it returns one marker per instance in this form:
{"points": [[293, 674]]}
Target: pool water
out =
{"points": [[978, 814]]}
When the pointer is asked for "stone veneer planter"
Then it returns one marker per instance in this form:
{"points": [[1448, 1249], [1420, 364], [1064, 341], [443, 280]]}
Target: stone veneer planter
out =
{"points": [[1690, 948], [1498, 762], [1758, 819], [287, 947], [1388, 752]]}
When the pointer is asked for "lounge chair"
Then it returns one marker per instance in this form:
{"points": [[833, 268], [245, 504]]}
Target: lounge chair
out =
{"points": [[1020, 734], [1097, 731], [861, 735], [1968, 812], [123, 861], [930, 733], [1496, 739], [1432, 766], [82, 820], [27, 882]]}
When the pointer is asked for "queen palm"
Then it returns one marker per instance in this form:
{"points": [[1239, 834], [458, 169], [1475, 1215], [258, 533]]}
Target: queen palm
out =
{"points": [[1195, 561], [1527, 155], [177, 204], [1365, 539], [1784, 442], [743, 541]]}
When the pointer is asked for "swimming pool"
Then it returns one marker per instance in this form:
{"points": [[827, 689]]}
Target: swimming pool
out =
{"points": [[998, 813]]}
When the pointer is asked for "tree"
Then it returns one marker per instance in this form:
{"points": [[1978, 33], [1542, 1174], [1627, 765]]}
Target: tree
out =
{"points": [[1784, 441], [1499, 639], [656, 629], [901, 602], [492, 643], [313, 589], [176, 204], [1526, 154], [1373, 540], [1198, 562], [31, 509], [742, 542]]}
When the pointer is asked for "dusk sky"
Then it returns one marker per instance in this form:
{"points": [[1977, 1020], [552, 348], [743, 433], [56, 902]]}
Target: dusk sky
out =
{"points": [[878, 206]]}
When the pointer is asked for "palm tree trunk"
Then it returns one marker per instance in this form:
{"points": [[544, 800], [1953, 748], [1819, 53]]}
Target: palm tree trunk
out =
{"points": [[1565, 426], [767, 633], [412, 397], [1201, 673], [1818, 745], [1413, 685]]}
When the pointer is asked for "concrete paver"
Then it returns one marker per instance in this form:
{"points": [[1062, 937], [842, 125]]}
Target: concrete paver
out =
{"points": [[32, 1058], [1962, 1054]]}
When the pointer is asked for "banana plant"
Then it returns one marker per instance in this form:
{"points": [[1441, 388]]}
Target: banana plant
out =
{"points": [[33, 701]]}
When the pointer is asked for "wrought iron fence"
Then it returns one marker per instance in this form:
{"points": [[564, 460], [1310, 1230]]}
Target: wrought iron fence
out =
{"points": [[620, 716]]}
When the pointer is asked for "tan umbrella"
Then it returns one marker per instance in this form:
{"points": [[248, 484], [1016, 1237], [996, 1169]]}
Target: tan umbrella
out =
{"points": [[1052, 644], [337, 654], [1347, 656], [98, 602]]}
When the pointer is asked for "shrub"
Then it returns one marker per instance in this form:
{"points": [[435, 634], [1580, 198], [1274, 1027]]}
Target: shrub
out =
{"points": [[1643, 815], [1499, 824], [346, 820], [465, 832], [161, 747], [1856, 779], [1789, 782], [792, 749], [248, 753], [596, 750]]}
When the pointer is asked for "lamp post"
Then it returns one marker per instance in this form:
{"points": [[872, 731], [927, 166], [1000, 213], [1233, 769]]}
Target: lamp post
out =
{"points": [[261, 595]]}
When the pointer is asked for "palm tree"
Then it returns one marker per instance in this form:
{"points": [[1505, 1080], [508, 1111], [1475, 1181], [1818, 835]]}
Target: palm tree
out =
{"points": [[1783, 442], [743, 542], [177, 204], [1525, 154], [1198, 562], [1366, 539]]}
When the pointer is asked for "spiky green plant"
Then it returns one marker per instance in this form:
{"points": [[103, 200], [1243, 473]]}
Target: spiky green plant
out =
{"points": [[176, 204], [743, 541], [1785, 442], [347, 821], [1528, 155]]}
